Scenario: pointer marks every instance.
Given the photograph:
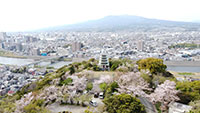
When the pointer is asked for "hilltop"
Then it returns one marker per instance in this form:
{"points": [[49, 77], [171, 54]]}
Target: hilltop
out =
{"points": [[145, 86]]}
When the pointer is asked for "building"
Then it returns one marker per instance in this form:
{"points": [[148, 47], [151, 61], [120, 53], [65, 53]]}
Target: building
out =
{"points": [[76, 46], [2, 35], [140, 45], [19, 47], [36, 51], [175, 107], [104, 62], [2, 46]]}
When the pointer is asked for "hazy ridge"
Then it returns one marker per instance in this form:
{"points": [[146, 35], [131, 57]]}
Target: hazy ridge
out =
{"points": [[127, 23]]}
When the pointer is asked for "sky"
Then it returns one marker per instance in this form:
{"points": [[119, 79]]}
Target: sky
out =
{"points": [[23, 15]]}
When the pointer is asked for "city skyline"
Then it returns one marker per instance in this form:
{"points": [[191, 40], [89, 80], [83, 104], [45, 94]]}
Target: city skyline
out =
{"points": [[23, 15]]}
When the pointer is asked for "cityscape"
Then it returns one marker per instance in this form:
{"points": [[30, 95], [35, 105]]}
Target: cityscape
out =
{"points": [[115, 44]]}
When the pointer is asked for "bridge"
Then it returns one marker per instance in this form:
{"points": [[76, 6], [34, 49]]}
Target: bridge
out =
{"points": [[45, 60], [55, 59]]}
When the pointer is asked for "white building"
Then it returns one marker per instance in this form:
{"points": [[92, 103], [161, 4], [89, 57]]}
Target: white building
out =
{"points": [[104, 62], [175, 107], [140, 45], [76, 46]]}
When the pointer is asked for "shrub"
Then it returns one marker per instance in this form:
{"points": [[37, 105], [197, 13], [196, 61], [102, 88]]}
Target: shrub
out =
{"points": [[89, 86]]}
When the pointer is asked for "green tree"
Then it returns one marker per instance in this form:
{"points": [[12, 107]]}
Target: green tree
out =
{"points": [[154, 65], [103, 86], [123, 103], [84, 98], [89, 86], [111, 88], [115, 64], [190, 91], [71, 70], [87, 65], [95, 68], [66, 82], [36, 106], [91, 60]]}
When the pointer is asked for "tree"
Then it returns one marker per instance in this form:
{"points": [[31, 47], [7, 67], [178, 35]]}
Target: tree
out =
{"points": [[66, 81], [95, 68], [24, 101], [154, 65], [91, 60], [103, 86], [133, 83], [71, 70], [111, 88], [190, 91], [35, 107], [78, 84], [88, 65], [115, 64], [84, 98], [123, 103], [89, 86], [165, 93]]}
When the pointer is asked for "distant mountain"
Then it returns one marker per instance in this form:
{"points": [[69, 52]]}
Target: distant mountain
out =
{"points": [[127, 23]]}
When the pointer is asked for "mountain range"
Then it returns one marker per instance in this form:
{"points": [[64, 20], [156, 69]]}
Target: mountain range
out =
{"points": [[127, 23]]}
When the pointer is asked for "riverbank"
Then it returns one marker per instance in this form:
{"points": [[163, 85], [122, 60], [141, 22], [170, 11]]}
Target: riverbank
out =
{"points": [[193, 74], [10, 55], [15, 61], [183, 63]]}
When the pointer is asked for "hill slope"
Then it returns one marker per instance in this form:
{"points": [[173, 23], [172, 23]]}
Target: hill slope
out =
{"points": [[127, 23]]}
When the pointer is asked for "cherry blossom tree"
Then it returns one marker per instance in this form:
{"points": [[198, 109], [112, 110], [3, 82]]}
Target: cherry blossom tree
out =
{"points": [[50, 94], [24, 101], [132, 83], [165, 93], [78, 84]]}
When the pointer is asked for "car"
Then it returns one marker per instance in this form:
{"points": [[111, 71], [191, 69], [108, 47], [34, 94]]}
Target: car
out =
{"points": [[93, 103], [101, 95], [96, 95]]}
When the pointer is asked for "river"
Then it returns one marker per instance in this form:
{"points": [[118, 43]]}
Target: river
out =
{"points": [[15, 61], [21, 62], [183, 68]]}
